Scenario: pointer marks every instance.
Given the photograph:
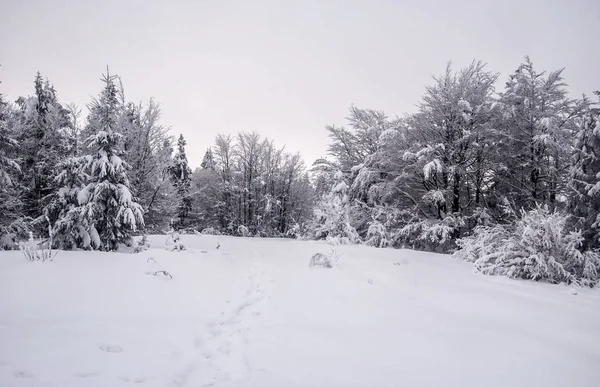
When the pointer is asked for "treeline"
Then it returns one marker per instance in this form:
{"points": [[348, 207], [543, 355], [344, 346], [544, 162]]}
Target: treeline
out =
{"points": [[94, 182], [473, 159]]}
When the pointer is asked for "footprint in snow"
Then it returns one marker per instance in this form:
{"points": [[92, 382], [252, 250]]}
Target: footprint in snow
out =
{"points": [[134, 380], [111, 348], [21, 374], [3, 363], [86, 374]]}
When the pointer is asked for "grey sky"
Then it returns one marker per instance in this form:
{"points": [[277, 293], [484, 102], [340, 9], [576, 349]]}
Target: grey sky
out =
{"points": [[284, 68]]}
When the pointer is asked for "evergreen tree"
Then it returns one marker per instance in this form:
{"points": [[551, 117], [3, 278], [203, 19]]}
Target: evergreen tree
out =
{"points": [[107, 204], [585, 179], [208, 162], [10, 203], [43, 143], [8, 164], [181, 178], [72, 229]]}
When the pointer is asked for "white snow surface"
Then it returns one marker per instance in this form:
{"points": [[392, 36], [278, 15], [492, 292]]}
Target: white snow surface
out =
{"points": [[252, 313]]}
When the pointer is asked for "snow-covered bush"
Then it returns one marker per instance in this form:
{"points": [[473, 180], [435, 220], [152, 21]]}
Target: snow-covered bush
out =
{"points": [[429, 234], [174, 242], [333, 241], [142, 245], [36, 251], [11, 235], [538, 247], [320, 260], [243, 231], [295, 231], [210, 231], [325, 260], [377, 234]]}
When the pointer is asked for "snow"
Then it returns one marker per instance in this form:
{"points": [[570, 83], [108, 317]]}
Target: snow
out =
{"points": [[433, 166], [252, 313]]}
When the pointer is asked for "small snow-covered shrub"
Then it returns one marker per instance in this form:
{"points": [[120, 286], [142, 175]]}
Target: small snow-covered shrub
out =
{"points": [[243, 231], [210, 231], [11, 235], [295, 231], [188, 231], [333, 241], [484, 242], [325, 260], [142, 245], [377, 235], [174, 242], [320, 260], [429, 234], [34, 251], [537, 247]]}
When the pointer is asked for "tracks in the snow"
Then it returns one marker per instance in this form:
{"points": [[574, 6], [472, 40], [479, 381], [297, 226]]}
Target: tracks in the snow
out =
{"points": [[220, 352]]}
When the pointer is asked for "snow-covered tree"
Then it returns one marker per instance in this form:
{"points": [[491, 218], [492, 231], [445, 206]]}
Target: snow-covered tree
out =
{"points": [[72, 228], [208, 162], [351, 145], [432, 169], [181, 178], [107, 204], [584, 198], [332, 214], [43, 143], [147, 150], [535, 135], [450, 134], [11, 227], [8, 144]]}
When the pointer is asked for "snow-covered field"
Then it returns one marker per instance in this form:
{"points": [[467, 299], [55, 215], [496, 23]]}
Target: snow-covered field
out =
{"points": [[252, 313]]}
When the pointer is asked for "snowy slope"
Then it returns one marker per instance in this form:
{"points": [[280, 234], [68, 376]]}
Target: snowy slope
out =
{"points": [[252, 313]]}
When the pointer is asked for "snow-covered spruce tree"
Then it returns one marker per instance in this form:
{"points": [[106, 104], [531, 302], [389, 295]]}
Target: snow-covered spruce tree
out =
{"points": [[584, 198], [208, 162], [11, 228], [106, 201], [43, 143], [332, 214], [181, 178], [72, 229], [8, 164], [537, 247]]}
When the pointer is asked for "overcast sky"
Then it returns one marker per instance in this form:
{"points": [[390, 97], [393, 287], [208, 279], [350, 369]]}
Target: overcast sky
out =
{"points": [[284, 68]]}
